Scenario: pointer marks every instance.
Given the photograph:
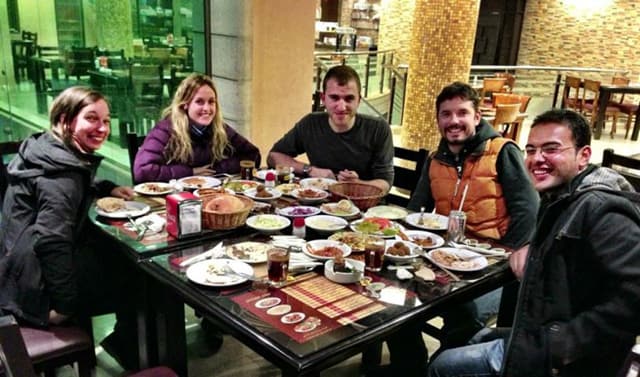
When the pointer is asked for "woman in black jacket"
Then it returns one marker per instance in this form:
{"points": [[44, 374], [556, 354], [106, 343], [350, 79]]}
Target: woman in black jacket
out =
{"points": [[49, 273]]}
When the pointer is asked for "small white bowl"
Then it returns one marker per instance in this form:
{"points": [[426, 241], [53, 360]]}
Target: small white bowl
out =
{"points": [[251, 193], [318, 195], [268, 223], [319, 244], [344, 277]]}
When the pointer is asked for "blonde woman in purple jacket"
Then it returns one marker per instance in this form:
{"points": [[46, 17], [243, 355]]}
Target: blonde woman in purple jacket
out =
{"points": [[192, 138]]}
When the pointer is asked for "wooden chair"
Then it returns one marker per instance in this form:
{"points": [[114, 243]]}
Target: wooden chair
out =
{"points": [[29, 350], [589, 102], [622, 164], [78, 61], [147, 84], [406, 178], [133, 144], [506, 116], [571, 93], [629, 109], [491, 85], [17, 359], [511, 81]]}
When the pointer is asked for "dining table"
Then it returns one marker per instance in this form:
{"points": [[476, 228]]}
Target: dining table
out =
{"points": [[319, 322]]}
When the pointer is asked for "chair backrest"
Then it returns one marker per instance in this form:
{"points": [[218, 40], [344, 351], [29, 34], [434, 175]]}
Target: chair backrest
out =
{"points": [[133, 144], [620, 80], [590, 94], [505, 98], [405, 177], [159, 55], [492, 85], [30, 36], [147, 83], [49, 51], [13, 352], [622, 164], [572, 89], [78, 61], [176, 78], [6, 148], [511, 80], [507, 113]]}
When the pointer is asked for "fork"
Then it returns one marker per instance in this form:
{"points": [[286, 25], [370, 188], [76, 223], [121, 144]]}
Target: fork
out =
{"points": [[229, 270]]}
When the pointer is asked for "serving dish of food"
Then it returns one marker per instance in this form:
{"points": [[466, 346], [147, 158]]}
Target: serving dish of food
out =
{"points": [[298, 211], [343, 208], [240, 185], [343, 270], [457, 259], [248, 252], [219, 272], [287, 188], [401, 251], [426, 240], [309, 195], [428, 221], [153, 188], [268, 223], [325, 223], [317, 183], [262, 193], [387, 212], [198, 182], [117, 208], [354, 240], [377, 226], [325, 249]]}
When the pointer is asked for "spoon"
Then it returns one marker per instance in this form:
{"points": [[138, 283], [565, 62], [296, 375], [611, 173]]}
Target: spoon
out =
{"points": [[421, 218]]}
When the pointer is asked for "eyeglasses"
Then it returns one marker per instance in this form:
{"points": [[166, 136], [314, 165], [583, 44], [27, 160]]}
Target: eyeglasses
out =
{"points": [[547, 150]]}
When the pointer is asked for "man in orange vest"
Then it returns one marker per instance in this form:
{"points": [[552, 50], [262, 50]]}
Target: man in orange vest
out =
{"points": [[500, 204]]}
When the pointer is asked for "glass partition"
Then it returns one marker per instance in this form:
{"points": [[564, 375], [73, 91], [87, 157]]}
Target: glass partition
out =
{"points": [[136, 52]]}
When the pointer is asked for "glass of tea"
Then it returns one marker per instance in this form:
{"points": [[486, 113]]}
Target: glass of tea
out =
{"points": [[374, 253], [246, 169], [278, 266], [283, 174]]}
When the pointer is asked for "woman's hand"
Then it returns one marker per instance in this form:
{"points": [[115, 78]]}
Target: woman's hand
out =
{"points": [[204, 170], [57, 318], [348, 175], [123, 192]]}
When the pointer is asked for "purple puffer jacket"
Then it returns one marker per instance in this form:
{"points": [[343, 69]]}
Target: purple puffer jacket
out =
{"points": [[151, 166]]}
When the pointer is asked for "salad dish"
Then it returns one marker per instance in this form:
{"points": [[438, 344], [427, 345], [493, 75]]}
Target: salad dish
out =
{"points": [[377, 226], [267, 223]]}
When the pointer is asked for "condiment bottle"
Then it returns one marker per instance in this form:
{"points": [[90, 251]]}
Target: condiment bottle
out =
{"points": [[299, 229], [270, 179]]}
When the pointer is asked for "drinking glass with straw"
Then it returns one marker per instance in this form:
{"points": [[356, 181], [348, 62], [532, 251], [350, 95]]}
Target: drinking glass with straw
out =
{"points": [[457, 221]]}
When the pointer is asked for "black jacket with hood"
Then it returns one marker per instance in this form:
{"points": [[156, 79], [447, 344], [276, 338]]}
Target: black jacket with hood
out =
{"points": [[51, 187]]}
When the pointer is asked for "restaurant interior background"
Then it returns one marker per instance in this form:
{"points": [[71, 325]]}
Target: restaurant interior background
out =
{"points": [[137, 51]]}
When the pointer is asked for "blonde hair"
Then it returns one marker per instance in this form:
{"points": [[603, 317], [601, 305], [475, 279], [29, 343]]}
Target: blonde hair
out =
{"points": [[66, 107], [179, 146]]}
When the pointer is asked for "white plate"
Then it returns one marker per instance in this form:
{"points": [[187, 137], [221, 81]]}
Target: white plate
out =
{"points": [[332, 209], [133, 209], [199, 272], [387, 212], [251, 193], [153, 188], [248, 252], [476, 264], [286, 188], [240, 185], [299, 211], [355, 240], [298, 194], [319, 244], [318, 183], [199, 191], [394, 225], [432, 221], [261, 174], [198, 182], [415, 251], [421, 234], [268, 223], [325, 223]]}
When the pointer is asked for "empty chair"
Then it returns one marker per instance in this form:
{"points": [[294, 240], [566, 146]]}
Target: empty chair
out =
{"points": [[629, 109], [571, 93], [78, 61], [115, 58], [510, 83], [147, 84], [506, 116], [491, 85], [159, 55], [589, 102], [504, 99], [628, 167], [405, 177]]}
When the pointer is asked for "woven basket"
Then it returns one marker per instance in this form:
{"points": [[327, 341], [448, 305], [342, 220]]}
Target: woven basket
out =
{"points": [[363, 195], [228, 220]]}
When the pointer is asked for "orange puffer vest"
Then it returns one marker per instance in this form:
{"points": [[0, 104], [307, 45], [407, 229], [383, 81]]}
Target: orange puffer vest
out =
{"points": [[486, 210]]}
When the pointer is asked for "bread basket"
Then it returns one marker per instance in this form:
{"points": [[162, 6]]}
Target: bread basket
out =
{"points": [[363, 195], [224, 220]]}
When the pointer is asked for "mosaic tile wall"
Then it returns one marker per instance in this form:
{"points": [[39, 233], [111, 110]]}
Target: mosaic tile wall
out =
{"points": [[440, 52], [589, 33], [396, 21]]}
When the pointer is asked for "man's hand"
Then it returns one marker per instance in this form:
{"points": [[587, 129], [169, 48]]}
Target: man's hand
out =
{"points": [[204, 170], [123, 192], [56, 318], [518, 261], [321, 173], [347, 175]]}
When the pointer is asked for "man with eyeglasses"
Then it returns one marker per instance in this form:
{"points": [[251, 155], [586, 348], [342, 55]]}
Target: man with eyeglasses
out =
{"points": [[579, 300], [500, 205]]}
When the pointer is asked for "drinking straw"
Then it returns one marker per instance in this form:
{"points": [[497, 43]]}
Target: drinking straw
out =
{"points": [[464, 195]]}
